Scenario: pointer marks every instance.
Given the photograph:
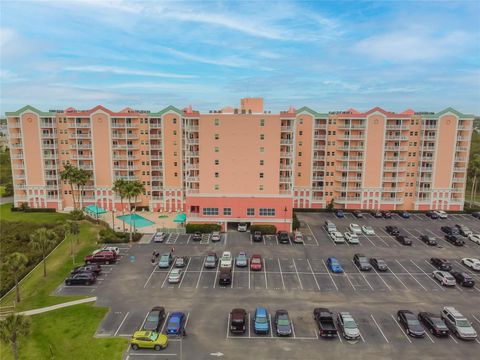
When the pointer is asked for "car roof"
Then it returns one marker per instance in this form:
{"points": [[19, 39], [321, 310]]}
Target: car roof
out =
{"points": [[237, 312], [261, 310], [176, 314], [158, 308]]}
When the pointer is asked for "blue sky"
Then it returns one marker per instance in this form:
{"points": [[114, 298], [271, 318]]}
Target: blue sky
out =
{"points": [[327, 55]]}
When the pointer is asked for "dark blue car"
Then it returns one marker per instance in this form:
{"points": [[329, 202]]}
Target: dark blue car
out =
{"points": [[175, 323], [405, 214], [334, 265], [340, 213]]}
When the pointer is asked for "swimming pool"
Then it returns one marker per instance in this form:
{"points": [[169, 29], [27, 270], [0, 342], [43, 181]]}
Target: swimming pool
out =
{"points": [[136, 220]]}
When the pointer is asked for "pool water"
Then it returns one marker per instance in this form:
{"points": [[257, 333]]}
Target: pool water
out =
{"points": [[135, 220]]}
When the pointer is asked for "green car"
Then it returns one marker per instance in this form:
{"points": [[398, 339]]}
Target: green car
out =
{"points": [[165, 261], [149, 340]]}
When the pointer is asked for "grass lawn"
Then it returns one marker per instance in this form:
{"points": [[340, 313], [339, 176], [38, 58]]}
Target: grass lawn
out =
{"points": [[6, 214], [68, 334], [2, 190]]}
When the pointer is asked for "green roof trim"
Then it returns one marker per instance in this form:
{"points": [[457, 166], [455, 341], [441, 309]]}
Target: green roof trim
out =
{"points": [[312, 112], [29, 108], [164, 111], [447, 110]]}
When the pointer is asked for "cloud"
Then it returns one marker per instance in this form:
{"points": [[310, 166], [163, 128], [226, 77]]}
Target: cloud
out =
{"points": [[125, 71]]}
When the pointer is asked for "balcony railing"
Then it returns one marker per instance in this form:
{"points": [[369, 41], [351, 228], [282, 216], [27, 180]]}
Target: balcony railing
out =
{"points": [[393, 169], [48, 124], [286, 128], [429, 138], [286, 166], [393, 189], [395, 148], [393, 179], [351, 168], [351, 148], [318, 147], [426, 169], [460, 159], [350, 158], [15, 135], [351, 137], [347, 199], [16, 156], [80, 136], [459, 169], [396, 138], [458, 180], [461, 148], [286, 154], [395, 200], [394, 158], [317, 178], [16, 146], [397, 127], [192, 153]]}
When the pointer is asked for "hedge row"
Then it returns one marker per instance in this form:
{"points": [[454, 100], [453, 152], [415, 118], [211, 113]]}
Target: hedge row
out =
{"points": [[203, 228], [264, 229], [107, 235], [27, 209]]}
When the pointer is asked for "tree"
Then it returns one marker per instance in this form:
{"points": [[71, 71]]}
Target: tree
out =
{"points": [[72, 229], [119, 187], [132, 190], [80, 179], [69, 173], [474, 169], [13, 327], [43, 240], [330, 205], [14, 265]]}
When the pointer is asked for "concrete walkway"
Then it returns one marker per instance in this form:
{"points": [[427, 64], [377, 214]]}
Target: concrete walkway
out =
{"points": [[58, 306]]}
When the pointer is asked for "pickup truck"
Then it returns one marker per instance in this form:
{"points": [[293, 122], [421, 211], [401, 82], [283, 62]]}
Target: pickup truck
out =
{"points": [[325, 321]]}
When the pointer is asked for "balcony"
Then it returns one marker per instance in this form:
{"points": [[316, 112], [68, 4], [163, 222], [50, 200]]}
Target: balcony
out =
{"points": [[320, 137], [395, 148], [18, 155], [194, 141], [48, 124], [82, 157], [393, 169], [156, 198], [286, 141], [156, 136], [427, 158], [429, 138], [156, 157], [318, 147], [460, 159], [15, 135], [464, 127], [393, 189], [193, 191], [429, 127], [286, 128], [286, 154], [80, 146], [285, 166], [348, 189], [457, 200], [428, 148], [156, 147], [351, 168], [351, 137], [17, 166], [397, 127], [192, 153], [125, 177], [351, 126], [117, 135], [285, 192], [50, 146], [157, 178], [51, 187], [457, 190], [459, 180], [320, 126], [462, 148], [425, 179], [351, 148], [192, 128], [51, 156], [317, 198], [285, 179], [19, 186], [155, 125], [394, 158], [192, 166], [396, 138], [350, 158], [393, 179], [132, 136], [157, 167], [459, 169], [347, 199], [425, 169], [50, 167], [317, 178], [119, 146], [80, 136], [193, 178], [51, 177], [82, 125], [318, 168], [85, 166], [395, 200], [16, 146], [13, 125]]}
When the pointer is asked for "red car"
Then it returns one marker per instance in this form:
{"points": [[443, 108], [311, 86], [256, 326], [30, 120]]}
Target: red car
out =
{"points": [[102, 257], [256, 262]]}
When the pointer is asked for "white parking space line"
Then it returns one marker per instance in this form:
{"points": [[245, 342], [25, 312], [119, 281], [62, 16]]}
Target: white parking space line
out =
{"points": [[143, 322], [363, 275], [228, 327], [328, 236], [249, 326], [265, 273], [426, 333], [164, 323], [339, 337], [414, 278], [189, 237], [413, 237], [298, 276], [453, 338], [271, 325], [381, 278], [311, 269], [168, 273], [361, 336], [350, 281], [125, 318], [233, 275], [379, 328], [201, 272], [281, 274], [380, 238], [217, 270], [401, 329], [428, 276], [314, 237], [186, 321], [184, 273], [368, 238], [328, 272], [148, 280]]}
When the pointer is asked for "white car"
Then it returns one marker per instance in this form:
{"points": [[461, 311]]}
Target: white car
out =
{"points": [[355, 228], [159, 237], [441, 214], [298, 238], [226, 260], [444, 277], [175, 276], [114, 249], [242, 227], [337, 237], [216, 236], [351, 238], [475, 238], [472, 263], [368, 230]]}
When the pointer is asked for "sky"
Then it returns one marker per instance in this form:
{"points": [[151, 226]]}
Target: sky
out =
{"points": [[328, 55]]}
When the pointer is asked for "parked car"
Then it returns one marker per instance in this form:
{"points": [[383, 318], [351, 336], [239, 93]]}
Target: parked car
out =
{"points": [[330, 226], [378, 264], [358, 214], [463, 279], [95, 269], [226, 260], [283, 325], [176, 323], [261, 321], [298, 238], [441, 264], [337, 237], [450, 230], [434, 324], [86, 278], [102, 257], [242, 227], [216, 236], [225, 276], [476, 214], [115, 249], [256, 262], [410, 323], [352, 238], [324, 319], [348, 326], [376, 214], [475, 238], [444, 278], [429, 240], [463, 230], [386, 214], [355, 228], [238, 321], [165, 261], [368, 230], [211, 260], [181, 262], [441, 214], [153, 321], [334, 265], [432, 214], [241, 259], [283, 237], [339, 213], [458, 324], [362, 262], [197, 236], [148, 340], [472, 263], [402, 239], [454, 240], [159, 237], [257, 236], [392, 230], [175, 276], [404, 214]]}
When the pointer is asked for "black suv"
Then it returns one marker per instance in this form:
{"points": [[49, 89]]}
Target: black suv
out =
{"points": [[463, 279], [452, 239], [81, 279], [225, 277], [283, 237], [429, 240], [379, 264], [434, 324], [441, 264], [238, 321], [392, 230], [376, 214], [402, 239], [362, 262], [197, 236], [358, 214], [386, 214], [257, 236], [449, 230], [432, 214], [96, 269]]}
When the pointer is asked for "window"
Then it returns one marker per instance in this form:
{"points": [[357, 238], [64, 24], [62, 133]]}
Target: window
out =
{"points": [[217, 162], [174, 120], [267, 212], [174, 153], [262, 162], [262, 137], [260, 188], [299, 174], [299, 164], [262, 149], [262, 122], [227, 211], [300, 143], [217, 136], [217, 122], [210, 211], [174, 132], [217, 149], [175, 174], [300, 132], [175, 143], [216, 187], [250, 212], [216, 174], [261, 175], [175, 163], [299, 153]]}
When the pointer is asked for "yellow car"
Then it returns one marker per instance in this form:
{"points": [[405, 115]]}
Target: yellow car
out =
{"points": [[149, 340]]}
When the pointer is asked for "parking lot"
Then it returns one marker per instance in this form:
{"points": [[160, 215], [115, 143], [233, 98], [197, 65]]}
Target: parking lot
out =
{"points": [[294, 277]]}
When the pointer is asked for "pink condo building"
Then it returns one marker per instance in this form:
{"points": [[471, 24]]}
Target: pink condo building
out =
{"points": [[244, 164]]}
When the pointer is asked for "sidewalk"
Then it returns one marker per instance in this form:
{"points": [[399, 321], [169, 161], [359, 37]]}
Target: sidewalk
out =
{"points": [[58, 306]]}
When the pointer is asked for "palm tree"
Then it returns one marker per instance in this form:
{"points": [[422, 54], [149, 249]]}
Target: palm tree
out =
{"points": [[13, 327], [43, 240], [474, 168], [132, 190], [119, 190], [68, 173], [14, 265], [80, 179], [72, 229]]}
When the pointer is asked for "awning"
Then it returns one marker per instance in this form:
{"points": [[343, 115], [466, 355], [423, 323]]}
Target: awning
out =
{"points": [[182, 217], [94, 210]]}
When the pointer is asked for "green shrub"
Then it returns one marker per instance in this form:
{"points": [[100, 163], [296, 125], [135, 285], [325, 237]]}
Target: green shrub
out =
{"points": [[107, 235], [265, 229], [295, 222], [77, 215], [203, 228]]}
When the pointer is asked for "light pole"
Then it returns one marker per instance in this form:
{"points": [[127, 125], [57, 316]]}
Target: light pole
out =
{"points": [[96, 210], [113, 219]]}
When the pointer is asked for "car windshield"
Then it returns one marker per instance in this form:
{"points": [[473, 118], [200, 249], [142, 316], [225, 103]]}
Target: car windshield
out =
{"points": [[439, 323], [261, 319], [256, 261], [368, 228], [349, 324], [153, 316], [164, 258], [153, 336], [380, 262], [283, 322], [362, 259], [173, 322], [413, 322], [463, 323], [334, 262], [210, 258], [175, 272]]}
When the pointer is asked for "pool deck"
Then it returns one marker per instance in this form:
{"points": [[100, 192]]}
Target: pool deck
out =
{"points": [[166, 222]]}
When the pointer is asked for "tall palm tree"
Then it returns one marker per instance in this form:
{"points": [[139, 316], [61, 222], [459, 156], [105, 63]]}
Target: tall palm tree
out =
{"points": [[474, 168], [43, 240], [132, 190], [14, 265], [80, 179], [119, 190], [69, 173], [72, 229], [13, 327]]}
